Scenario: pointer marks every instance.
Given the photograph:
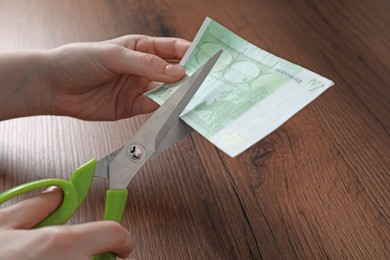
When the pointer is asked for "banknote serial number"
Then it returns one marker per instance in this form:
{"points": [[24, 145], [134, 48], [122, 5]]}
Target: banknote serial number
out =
{"points": [[288, 75]]}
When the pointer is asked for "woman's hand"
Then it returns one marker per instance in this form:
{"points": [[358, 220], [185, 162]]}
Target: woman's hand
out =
{"points": [[56, 242], [91, 81], [106, 80]]}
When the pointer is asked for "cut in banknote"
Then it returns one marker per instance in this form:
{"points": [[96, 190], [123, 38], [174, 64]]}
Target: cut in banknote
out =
{"points": [[248, 94]]}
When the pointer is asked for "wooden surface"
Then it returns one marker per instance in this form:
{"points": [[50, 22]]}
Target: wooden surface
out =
{"points": [[317, 188]]}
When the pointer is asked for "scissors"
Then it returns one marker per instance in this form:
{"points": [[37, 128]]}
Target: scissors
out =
{"points": [[160, 131]]}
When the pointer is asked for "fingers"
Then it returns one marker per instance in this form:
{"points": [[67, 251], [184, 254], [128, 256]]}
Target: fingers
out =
{"points": [[72, 242], [89, 239], [105, 236], [149, 66], [28, 213], [164, 47], [147, 56], [66, 242]]}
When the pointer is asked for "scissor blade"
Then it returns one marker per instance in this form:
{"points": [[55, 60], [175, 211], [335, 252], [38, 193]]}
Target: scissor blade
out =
{"points": [[148, 138], [178, 131], [103, 164]]}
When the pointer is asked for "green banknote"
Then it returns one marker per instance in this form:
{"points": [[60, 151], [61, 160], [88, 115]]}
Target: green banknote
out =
{"points": [[247, 95]]}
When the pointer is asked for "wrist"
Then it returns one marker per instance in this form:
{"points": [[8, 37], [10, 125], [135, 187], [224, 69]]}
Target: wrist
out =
{"points": [[25, 79]]}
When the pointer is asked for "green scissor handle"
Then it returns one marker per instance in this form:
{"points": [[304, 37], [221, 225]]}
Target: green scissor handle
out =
{"points": [[74, 191], [113, 210]]}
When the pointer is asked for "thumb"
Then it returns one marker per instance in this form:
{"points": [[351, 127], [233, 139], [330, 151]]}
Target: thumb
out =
{"points": [[150, 66]]}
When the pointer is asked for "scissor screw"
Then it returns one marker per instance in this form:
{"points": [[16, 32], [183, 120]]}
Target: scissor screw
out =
{"points": [[136, 153]]}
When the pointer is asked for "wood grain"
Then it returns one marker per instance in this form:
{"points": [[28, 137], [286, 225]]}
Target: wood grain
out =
{"points": [[316, 188]]}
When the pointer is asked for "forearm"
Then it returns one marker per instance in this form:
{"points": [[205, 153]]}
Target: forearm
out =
{"points": [[23, 80]]}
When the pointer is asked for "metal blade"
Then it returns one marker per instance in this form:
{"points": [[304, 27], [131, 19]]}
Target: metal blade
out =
{"points": [[178, 131], [148, 138], [102, 165]]}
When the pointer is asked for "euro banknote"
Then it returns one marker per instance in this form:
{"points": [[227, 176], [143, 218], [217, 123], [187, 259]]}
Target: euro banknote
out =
{"points": [[248, 94]]}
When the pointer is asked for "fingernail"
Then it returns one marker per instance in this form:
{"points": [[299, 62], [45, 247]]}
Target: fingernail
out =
{"points": [[174, 70]]}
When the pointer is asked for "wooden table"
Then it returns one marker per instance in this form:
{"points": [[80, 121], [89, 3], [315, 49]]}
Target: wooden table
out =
{"points": [[316, 188]]}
